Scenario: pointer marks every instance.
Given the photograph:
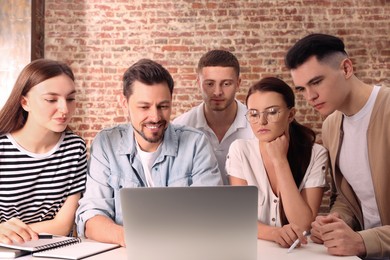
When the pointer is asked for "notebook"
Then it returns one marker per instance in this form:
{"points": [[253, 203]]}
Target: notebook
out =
{"points": [[43, 244], [59, 247], [9, 253], [191, 223], [77, 251]]}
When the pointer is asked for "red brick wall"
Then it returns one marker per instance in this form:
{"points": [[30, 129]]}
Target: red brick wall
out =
{"points": [[101, 38]]}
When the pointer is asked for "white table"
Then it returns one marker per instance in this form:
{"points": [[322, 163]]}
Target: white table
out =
{"points": [[269, 250], [265, 250]]}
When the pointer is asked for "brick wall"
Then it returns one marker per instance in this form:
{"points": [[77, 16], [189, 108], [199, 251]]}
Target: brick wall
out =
{"points": [[99, 39]]}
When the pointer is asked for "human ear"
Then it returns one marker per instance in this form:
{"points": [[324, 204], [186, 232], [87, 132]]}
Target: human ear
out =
{"points": [[24, 103], [198, 83], [291, 114], [238, 83], [347, 67], [124, 104], [122, 100]]}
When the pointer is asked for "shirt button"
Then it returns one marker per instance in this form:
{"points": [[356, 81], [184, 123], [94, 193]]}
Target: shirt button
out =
{"points": [[273, 219], [275, 201]]}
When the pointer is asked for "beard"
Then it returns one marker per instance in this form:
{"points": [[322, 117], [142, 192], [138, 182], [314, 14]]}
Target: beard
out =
{"points": [[156, 137], [220, 106]]}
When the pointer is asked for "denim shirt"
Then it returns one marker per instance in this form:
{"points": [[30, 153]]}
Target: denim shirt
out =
{"points": [[186, 159]]}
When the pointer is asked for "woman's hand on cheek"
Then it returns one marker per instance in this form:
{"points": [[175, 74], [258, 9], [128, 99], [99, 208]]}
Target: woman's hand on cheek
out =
{"points": [[277, 149]]}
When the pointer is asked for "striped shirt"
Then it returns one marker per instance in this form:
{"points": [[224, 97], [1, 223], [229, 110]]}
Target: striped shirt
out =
{"points": [[33, 187]]}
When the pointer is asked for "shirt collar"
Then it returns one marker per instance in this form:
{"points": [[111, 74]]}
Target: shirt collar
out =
{"points": [[239, 122]]}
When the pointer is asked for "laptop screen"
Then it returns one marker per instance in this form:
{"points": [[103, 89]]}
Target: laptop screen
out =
{"points": [[213, 223]]}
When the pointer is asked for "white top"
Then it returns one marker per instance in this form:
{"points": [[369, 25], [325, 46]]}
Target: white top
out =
{"points": [[354, 164], [240, 129], [147, 159], [244, 161]]}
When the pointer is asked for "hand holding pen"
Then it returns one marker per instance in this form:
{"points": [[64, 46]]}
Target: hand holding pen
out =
{"points": [[287, 234], [16, 231], [296, 242]]}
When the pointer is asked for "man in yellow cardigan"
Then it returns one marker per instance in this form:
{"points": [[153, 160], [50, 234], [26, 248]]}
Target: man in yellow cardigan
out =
{"points": [[357, 134]]}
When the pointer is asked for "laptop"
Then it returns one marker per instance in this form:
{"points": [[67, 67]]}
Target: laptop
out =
{"points": [[190, 223]]}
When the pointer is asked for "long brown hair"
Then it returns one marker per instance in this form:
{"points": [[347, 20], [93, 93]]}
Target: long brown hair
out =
{"points": [[302, 138], [12, 115]]}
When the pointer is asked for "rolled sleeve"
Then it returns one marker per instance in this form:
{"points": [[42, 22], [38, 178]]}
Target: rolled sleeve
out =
{"points": [[234, 160], [377, 241], [318, 168]]}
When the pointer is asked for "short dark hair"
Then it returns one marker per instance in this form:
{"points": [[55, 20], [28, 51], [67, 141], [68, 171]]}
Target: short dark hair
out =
{"points": [[316, 44], [148, 72], [220, 58]]}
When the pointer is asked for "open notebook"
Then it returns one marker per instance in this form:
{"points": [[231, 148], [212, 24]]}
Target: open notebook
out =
{"points": [[62, 247]]}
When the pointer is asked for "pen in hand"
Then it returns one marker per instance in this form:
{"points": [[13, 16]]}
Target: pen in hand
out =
{"points": [[296, 242], [45, 236]]}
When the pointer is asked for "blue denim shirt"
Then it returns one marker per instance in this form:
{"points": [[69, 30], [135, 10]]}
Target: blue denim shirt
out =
{"points": [[186, 159]]}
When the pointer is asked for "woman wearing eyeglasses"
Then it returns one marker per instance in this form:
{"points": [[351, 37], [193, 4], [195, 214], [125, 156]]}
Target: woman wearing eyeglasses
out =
{"points": [[283, 161]]}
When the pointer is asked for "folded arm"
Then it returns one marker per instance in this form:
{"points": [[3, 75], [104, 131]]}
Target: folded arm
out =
{"points": [[284, 236], [104, 229], [63, 222]]}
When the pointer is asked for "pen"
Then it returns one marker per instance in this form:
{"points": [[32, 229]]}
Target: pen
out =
{"points": [[45, 236], [296, 242]]}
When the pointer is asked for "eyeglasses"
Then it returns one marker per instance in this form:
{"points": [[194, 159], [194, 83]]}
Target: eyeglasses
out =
{"points": [[270, 115]]}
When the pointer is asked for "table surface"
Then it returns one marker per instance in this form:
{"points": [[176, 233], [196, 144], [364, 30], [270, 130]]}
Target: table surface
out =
{"points": [[265, 250]]}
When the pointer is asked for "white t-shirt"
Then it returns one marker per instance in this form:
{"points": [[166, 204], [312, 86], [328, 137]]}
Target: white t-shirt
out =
{"points": [[354, 164], [240, 129], [244, 161], [147, 159]]}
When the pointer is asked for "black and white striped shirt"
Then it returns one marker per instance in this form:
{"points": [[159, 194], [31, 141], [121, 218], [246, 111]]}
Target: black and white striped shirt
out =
{"points": [[33, 187]]}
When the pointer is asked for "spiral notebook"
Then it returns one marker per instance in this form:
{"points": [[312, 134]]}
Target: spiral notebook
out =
{"points": [[9, 253], [62, 247]]}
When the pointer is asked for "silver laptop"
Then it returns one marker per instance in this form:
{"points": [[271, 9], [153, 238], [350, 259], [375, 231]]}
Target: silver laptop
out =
{"points": [[190, 223]]}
